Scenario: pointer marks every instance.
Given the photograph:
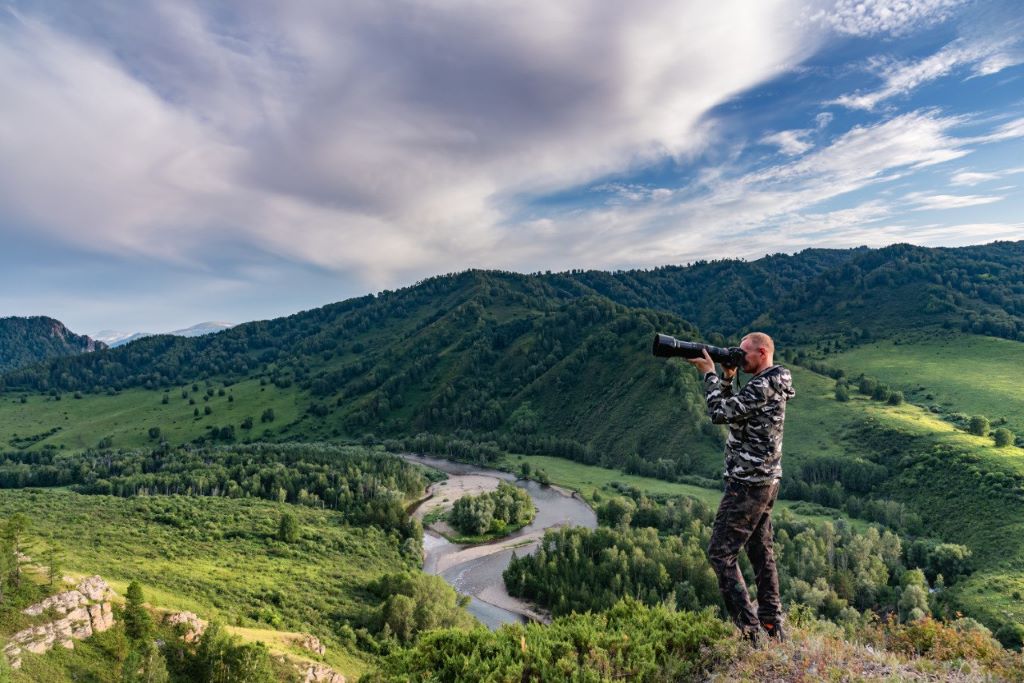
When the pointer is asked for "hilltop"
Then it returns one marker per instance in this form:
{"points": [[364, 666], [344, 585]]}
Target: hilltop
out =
{"points": [[24, 341]]}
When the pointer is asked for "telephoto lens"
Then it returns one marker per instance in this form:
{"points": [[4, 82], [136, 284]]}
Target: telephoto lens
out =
{"points": [[666, 346]]}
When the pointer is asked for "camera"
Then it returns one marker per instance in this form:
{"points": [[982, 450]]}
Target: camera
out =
{"points": [[666, 346]]}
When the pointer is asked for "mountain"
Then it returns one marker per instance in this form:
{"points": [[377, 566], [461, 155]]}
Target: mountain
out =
{"points": [[838, 292], [199, 329], [115, 338], [24, 341], [482, 364]]}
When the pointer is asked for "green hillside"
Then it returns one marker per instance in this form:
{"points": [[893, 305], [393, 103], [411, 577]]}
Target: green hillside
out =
{"points": [[24, 341], [490, 366]]}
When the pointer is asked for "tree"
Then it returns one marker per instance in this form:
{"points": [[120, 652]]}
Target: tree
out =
{"points": [[288, 528], [267, 416], [53, 569], [247, 423], [979, 425], [12, 534], [617, 511], [207, 410], [145, 664], [221, 658], [138, 625], [154, 432], [1003, 437], [842, 393], [895, 398]]}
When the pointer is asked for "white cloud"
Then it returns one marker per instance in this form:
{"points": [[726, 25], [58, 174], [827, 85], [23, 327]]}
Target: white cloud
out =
{"points": [[895, 17], [783, 207], [823, 119], [971, 178], [927, 200], [789, 142], [377, 137], [901, 78]]}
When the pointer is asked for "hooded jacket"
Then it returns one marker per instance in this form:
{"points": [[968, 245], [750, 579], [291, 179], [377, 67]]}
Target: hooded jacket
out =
{"points": [[755, 415]]}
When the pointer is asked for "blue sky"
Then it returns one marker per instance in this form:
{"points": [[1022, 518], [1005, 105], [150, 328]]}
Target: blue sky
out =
{"points": [[166, 163]]}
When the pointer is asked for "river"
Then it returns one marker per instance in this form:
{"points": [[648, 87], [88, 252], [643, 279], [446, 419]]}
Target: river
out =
{"points": [[476, 570]]}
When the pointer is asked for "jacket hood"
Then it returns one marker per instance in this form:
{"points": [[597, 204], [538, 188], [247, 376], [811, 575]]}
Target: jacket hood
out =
{"points": [[780, 379]]}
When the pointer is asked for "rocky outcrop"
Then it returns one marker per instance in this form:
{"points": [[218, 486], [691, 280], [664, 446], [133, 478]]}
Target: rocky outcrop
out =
{"points": [[320, 673], [193, 625], [83, 611], [311, 643]]}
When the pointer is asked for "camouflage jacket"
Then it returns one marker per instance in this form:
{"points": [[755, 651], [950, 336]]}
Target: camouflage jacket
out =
{"points": [[755, 415]]}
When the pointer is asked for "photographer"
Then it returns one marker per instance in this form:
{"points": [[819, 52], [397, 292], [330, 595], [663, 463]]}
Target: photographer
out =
{"points": [[753, 454]]}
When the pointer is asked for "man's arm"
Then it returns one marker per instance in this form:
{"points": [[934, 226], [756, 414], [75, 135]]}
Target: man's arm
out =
{"points": [[725, 407]]}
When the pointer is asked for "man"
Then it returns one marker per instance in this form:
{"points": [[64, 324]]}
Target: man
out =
{"points": [[753, 455]]}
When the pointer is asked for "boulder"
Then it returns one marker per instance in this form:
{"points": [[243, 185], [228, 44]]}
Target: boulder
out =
{"points": [[83, 611], [320, 673], [194, 626], [311, 643]]}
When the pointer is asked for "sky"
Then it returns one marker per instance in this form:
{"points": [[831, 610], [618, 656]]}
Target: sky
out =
{"points": [[168, 162]]}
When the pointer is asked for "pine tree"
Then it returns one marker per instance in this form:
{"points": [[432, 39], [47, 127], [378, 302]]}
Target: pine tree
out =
{"points": [[137, 623], [288, 528]]}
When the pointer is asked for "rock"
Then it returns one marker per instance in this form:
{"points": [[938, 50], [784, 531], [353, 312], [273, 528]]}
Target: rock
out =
{"points": [[194, 626], [321, 673], [101, 616], [95, 589], [311, 643], [61, 603], [83, 611]]}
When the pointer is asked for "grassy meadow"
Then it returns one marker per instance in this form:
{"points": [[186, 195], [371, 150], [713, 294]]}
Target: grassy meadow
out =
{"points": [[969, 374], [219, 558], [126, 417]]}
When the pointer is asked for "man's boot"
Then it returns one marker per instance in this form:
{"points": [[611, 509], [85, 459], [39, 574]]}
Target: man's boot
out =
{"points": [[775, 630], [757, 637]]}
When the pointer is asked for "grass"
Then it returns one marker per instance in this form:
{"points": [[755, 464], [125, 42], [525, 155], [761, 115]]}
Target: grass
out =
{"points": [[127, 416], [221, 560], [965, 373], [590, 479]]}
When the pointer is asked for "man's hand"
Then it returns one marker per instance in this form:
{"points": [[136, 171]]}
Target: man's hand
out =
{"points": [[705, 364]]}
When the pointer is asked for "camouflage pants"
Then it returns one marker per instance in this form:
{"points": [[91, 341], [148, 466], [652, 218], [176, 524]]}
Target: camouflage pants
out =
{"points": [[744, 518]]}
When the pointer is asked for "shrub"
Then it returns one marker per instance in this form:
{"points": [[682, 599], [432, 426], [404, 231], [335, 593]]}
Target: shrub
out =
{"points": [[895, 398], [842, 393], [629, 642], [979, 425], [1003, 437]]}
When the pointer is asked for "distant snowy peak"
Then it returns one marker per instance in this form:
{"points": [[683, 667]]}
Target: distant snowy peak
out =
{"points": [[210, 327], [114, 338]]}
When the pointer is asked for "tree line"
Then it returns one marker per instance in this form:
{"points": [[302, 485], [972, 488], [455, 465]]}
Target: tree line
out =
{"points": [[368, 487]]}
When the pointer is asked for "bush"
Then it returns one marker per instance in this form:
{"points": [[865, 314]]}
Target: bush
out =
{"points": [[1003, 437], [979, 425], [288, 528], [842, 393], [895, 398], [629, 642]]}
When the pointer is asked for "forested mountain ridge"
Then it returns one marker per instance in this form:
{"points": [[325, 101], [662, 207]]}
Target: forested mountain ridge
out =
{"points": [[24, 341], [849, 294], [838, 292]]}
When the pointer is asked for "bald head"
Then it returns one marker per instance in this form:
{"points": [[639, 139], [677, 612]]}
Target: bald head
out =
{"points": [[760, 351], [760, 340]]}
